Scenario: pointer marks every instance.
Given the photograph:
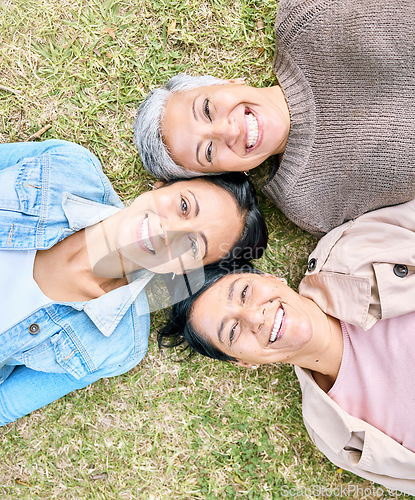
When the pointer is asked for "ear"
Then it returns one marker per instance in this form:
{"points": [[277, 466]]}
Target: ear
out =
{"points": [[237, 81], [159, 184], [273, 276], [244, 364]]}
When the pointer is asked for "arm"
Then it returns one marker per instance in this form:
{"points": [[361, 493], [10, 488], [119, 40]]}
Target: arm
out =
{"points": [[373, 455], [26, 390]]}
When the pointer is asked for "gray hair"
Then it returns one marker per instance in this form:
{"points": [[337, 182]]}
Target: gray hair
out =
{"points": [[147, 126]]}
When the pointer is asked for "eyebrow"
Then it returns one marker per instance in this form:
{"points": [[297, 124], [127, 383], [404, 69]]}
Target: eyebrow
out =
{"points": [[198, 145], [232, 290], [197, 206], [194, 108], [229, 299]]}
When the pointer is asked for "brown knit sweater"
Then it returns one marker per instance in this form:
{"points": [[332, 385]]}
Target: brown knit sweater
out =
{"points": [[347, 69]]}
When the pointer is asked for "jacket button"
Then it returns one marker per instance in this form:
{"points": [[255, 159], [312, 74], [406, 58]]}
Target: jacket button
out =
{"points": [[312, 263], [34, 328], [400, 270]]}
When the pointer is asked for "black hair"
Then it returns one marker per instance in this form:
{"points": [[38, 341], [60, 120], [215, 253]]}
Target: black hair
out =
{"points": [[253, 240], [179, 331]]}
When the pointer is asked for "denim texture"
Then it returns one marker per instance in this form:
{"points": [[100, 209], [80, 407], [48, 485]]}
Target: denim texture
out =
{"points": [[48, 191]]}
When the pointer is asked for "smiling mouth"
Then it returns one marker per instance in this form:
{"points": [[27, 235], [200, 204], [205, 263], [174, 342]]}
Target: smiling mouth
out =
{"points": [[253, 129], [277, 331], [145, 237]]}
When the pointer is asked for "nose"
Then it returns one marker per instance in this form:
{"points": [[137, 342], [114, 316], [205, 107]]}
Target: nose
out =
{"points": [[175, 224], [174, 232], [226, 129], [253, 317]]}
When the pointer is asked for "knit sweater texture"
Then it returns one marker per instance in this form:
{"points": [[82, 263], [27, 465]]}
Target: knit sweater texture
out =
{"points": [[347, 71]]}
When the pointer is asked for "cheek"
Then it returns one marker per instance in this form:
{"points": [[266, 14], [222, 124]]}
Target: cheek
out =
{"points": [[231, 101], [187, 263], [249, 352], [228, 160], [303, 330], [163, 266]]}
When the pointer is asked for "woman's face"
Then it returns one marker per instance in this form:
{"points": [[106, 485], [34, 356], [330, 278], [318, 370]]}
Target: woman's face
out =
{"points": [[255, 318], [225, 128], [178, 227]]}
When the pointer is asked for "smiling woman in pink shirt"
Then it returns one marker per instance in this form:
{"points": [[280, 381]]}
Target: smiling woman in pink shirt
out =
{"points": [[358, 396]]}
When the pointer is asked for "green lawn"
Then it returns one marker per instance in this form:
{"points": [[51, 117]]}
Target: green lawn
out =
{"points": [[166, 430]]}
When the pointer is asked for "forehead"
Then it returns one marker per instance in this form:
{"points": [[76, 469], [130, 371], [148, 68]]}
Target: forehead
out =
{"points": [[187, 96], [205, 313], [215, 298], [213, 307]]}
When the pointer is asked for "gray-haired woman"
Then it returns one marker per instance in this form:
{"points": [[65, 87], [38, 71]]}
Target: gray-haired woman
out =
{"points": [[341, 122]]}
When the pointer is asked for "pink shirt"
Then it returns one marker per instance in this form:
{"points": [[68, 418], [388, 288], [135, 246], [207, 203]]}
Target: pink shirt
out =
{"points": [[376, 381]]}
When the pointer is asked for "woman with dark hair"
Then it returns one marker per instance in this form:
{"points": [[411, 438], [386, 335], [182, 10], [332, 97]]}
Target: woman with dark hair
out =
{"points": [[340, 123], [357, 385], [74, 264]]}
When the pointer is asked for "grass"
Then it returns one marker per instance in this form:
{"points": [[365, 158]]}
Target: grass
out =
{"points": [[166, 430]]}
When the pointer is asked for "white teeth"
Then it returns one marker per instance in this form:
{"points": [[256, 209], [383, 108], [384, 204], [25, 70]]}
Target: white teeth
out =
{"points": [[145, 236], [252, 130], [277, 324]]}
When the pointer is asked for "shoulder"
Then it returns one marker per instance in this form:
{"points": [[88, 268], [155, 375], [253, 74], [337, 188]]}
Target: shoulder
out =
{"points": [[75, 154], [295, 15], [70, 167], [50, 152]]}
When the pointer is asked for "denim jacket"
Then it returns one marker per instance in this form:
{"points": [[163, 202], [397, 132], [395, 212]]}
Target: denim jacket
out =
{"points": [[48, 191]]}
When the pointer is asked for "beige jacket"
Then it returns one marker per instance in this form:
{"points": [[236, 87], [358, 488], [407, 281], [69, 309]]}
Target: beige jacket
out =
{"points": [[351, 443], [361, 272], [364, 270]]}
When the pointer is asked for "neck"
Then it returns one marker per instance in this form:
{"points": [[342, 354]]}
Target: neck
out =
{"points": [[64, 272], [326, 366], [325, 352], [105, 259]]}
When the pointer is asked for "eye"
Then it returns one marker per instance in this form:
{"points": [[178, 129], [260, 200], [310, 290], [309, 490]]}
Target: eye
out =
{"points": [[232, 333], [184, 205], [206, 110], [209, 153], [243, 294], [194, 247]]}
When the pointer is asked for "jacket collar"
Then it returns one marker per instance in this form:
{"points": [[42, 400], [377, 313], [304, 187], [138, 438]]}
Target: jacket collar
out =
{"points": [[82, 213], [318, 407], [349, 297], [108, 310]]}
